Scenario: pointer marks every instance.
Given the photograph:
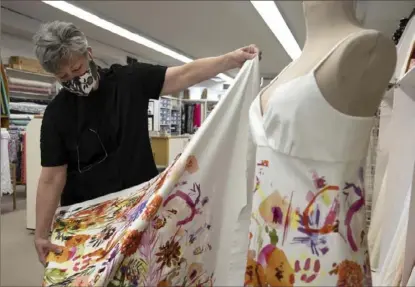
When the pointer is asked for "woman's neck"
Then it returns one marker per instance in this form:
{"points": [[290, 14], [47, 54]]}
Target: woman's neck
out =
{"points": [[326, 18]]}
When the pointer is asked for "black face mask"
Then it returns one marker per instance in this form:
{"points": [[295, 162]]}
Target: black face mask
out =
{"points": [[83, 85]]}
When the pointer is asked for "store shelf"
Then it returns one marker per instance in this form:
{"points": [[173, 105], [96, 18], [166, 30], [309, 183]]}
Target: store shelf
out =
{"points": [[407, 83], [28, 95], [16, 73]]}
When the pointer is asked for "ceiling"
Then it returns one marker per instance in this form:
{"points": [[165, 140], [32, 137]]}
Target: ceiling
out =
{"points": [[194, 28]]}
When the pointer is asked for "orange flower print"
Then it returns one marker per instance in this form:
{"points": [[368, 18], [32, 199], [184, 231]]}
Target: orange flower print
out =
{"points": [[350, 274], [81, 281], [271, 269], [273, 210], [191, 164], [169, 254], [195, 270], [164, 283], [254, 274], [65, 255], [77, 240], [131, 243], [152, 207], [159, 223], [278, 270]]}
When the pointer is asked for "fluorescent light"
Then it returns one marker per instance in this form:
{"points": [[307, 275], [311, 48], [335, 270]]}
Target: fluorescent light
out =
{"points": [[273, 18], [104, 24]]}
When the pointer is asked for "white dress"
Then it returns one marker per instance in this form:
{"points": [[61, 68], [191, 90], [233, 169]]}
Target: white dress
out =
{"points": [[308, 217]]}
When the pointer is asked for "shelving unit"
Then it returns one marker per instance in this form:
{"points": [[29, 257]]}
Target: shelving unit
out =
{"points": [[170, 115], [26, 75], [208, 105]]}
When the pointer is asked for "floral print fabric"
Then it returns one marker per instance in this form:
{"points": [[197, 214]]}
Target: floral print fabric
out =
{"points": [[113, 237], [186, 227]]}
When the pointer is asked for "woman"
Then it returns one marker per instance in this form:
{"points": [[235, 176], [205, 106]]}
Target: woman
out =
{"points": [[94, 135]]}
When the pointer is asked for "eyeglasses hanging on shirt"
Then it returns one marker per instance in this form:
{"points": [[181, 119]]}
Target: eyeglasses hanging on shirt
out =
{"points": [[103, 154]]}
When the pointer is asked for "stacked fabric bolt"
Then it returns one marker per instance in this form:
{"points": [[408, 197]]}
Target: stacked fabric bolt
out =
{"points": [[28, 86], [5, 111], [27, 108]]}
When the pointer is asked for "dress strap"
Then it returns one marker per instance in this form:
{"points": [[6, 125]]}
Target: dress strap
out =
{"points": [[335, 48]]}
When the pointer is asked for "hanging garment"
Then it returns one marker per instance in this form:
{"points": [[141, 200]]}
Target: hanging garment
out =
{"points": [[375, 229], [197, 117], [186, 227], [392, 269], [6, 183], [308, 220]]}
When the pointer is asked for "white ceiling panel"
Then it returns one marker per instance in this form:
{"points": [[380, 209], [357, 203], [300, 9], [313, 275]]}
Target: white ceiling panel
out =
{"points": [[196, 28]]}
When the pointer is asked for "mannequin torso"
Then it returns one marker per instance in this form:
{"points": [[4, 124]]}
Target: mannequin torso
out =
{"points": [[354, 77]]}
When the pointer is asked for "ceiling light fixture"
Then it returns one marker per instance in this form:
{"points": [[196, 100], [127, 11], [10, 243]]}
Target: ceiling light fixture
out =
{"points": [[104, 24], [271, 15]]}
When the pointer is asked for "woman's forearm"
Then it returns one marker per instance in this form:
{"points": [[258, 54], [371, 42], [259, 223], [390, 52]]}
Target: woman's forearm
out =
{"points": [[206, 68], [47, 201]]}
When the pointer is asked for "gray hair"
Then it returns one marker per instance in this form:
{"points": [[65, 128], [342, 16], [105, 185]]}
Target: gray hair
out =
{"points": [[56, 42]]}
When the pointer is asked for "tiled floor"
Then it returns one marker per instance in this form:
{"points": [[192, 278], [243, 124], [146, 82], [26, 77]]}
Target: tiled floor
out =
{"points": [[19, 265]]}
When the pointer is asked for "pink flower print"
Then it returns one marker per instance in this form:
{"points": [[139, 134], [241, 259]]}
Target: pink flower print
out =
{"points": [[277, 214], [319, 181], [81, 281]]}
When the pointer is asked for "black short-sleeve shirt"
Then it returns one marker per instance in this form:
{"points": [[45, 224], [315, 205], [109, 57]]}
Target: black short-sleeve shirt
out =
{"points": [[103, 138]]}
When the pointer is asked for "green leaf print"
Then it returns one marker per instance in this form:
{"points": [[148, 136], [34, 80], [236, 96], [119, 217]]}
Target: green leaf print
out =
{"points": [[54, 275], [273, 237]]}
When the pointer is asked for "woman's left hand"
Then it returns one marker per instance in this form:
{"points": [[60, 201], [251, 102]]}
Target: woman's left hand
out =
{"points": [[238, 57]]}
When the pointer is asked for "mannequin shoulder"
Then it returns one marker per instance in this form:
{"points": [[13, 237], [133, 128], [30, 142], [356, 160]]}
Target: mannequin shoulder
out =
{"points": [[359, 72], [369, 50]]}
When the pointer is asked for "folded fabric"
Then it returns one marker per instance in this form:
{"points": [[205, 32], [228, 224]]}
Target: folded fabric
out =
{"points": [[29, 83], [30, 108], [21, 117], [186, 227], [26, 89]]}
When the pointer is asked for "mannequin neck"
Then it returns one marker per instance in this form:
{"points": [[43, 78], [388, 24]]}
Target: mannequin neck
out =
{"points": [[325, 18]]}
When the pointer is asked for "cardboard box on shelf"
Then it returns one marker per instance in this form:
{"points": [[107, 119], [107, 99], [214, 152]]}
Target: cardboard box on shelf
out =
{"points": [[26, 64]]}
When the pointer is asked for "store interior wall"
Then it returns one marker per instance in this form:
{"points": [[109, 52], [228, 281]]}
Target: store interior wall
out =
{"points": [[15, 40]]}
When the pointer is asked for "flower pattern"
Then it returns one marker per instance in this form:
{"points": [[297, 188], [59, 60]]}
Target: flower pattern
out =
{"points": [[296, 235], [148, 235]]}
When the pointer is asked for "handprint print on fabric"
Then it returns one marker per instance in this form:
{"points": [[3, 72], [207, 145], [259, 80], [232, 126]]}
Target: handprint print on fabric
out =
{"points": [[306, 273]]}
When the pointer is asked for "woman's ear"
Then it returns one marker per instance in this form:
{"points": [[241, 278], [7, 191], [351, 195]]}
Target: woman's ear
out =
{"points": [[89, 49]]}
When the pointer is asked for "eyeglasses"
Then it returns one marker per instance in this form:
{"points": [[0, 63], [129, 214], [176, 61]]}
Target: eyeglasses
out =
{"points": [[90, 166]]}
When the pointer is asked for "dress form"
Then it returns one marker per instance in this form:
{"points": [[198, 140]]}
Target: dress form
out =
{"points": [[355, 76]]}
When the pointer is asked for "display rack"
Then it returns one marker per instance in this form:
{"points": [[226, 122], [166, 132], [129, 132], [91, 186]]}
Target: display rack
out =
{"points": [[170, 115], [29, 93], [5, 99], [26, 75]]}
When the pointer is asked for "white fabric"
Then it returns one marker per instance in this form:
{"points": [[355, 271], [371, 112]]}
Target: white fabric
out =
{"points": [[411, 281], [6, 184], [308, 223], [391, 272], [375, 228]]}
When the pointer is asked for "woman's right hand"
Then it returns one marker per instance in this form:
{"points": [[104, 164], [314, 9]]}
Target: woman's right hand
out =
{"points": [[43, 247]]}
